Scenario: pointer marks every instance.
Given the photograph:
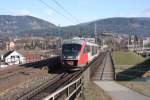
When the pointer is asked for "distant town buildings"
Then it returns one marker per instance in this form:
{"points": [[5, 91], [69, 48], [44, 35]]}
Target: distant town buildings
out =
{"points": [[38, 43], [134, 43], [28, 43], [140, 45], [146, 44], [2, 44], [15, 50]]}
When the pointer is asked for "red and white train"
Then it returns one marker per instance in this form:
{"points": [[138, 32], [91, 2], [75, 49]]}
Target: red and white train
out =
{"points": [[77, 53]]}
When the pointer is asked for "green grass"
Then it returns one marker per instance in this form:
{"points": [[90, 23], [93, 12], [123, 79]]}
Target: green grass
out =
{"points": [[129, 60], [126, 58]]}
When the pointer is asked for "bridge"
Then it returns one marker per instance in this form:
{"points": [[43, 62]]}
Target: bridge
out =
{"points": [[35, 83]]}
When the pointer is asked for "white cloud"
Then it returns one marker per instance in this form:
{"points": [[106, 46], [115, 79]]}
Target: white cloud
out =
{"points": [[45, 15], [146, 13], [49, 12], [21, 12], [48, 15], [56, 19]]}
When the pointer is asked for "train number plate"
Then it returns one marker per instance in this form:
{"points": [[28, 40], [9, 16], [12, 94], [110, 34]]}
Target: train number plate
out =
{"points": [[70, 62]]}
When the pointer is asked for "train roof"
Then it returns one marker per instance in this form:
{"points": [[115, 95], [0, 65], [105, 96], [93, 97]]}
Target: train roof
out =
{"points": [[73, 41], [78, 41]]}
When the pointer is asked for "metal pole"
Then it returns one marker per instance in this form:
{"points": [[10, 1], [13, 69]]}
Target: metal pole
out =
{"points": [[95, 32]]}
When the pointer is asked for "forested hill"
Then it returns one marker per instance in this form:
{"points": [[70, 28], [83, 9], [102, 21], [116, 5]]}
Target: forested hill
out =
{"points": [[116, 25], [22, 24]]}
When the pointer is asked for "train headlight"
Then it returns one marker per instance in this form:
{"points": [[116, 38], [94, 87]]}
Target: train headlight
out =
{"points": [[77, 57], [63, 56]]}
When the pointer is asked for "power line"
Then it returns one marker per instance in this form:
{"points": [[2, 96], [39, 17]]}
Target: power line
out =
{"points": [[55, 10], [58, 4]]}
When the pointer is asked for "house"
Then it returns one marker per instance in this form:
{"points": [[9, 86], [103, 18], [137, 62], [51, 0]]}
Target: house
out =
{"points": [[13, 57], [146, 44], [135, 43]]}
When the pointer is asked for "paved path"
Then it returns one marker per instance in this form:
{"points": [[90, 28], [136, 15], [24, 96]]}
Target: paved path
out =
{"points": [[119, 92]]}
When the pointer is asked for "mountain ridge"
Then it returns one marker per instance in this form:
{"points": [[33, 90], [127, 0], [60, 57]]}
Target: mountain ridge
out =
{"points": [[17, 24], [21, 25], [125, 25]]}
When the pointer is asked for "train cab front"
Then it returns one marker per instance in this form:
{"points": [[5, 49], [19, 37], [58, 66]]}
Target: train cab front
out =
{"points": [[70, 56]]}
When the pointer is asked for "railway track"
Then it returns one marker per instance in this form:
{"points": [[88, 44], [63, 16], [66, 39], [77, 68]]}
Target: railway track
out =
{"points": [[104, 66], [10, 71], [14, 75], [16, 81], [60, 81], [105, 70], [7, 81], [47, 85], [50, 86], [98, 62], [13, 87], [108, 71]]}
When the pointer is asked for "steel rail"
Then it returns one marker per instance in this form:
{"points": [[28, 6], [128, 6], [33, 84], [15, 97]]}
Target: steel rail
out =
{"points": [[59, 84], [52, 85], [41, 87], [105, 59]]}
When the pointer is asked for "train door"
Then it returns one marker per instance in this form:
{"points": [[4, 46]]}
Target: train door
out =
{"points": [[84, 55], [89, 53]]}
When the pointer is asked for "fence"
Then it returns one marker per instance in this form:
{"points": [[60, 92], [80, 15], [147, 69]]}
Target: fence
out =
{"points": [[69, 92], [132, 73]]}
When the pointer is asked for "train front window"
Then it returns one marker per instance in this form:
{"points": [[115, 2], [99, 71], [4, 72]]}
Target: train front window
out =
{"points": [[71, 48]]}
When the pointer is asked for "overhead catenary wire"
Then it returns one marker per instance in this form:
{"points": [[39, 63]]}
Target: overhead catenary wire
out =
{"points": [[50, 7], [58, 4]]}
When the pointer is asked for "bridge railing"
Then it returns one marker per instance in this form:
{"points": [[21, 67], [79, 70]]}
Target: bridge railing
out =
{"points": [[69, 92]]}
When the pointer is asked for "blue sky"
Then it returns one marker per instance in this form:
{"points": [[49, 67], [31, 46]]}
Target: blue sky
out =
{"points": [[83, 10]]}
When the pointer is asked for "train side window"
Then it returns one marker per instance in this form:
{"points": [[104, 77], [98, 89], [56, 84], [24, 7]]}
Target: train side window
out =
{"points": [[86, 49], [92, 50], [96, 50]]}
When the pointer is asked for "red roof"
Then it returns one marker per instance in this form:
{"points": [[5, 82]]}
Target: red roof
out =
{"points": [[32, 57]]}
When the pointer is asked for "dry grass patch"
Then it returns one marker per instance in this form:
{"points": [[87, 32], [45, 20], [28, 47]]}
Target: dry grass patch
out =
{"points": [[140, 87], [93, 92]]}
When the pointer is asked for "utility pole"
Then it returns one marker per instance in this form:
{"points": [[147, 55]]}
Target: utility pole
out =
{"points": [[95, 32], [59, 36], [59, 30]]}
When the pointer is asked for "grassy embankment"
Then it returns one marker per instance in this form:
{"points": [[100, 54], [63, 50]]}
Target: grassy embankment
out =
{"points": [[124, 60], [130, 59]]}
